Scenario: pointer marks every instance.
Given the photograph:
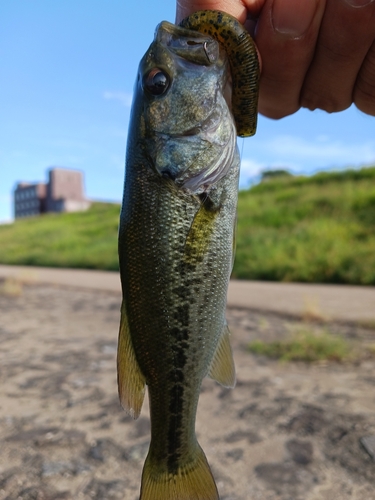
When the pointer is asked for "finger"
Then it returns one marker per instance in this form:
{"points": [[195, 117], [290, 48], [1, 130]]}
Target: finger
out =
{"points": [[364, 91], [346, 34], [286, 34], [186, 7], [240, 9]]}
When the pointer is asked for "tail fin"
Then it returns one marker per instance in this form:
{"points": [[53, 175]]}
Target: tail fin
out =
{"points": [[192, 481]]}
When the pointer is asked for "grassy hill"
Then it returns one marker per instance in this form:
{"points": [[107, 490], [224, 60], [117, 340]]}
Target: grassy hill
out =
{"points": [[311, 229], [81, 239]]}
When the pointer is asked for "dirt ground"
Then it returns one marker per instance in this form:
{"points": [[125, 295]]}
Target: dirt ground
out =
{"points": [[287, 431]]}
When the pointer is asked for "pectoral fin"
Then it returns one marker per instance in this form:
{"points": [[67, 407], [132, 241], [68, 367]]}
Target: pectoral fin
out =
{"points": [[222, 366], [199, 236], [130, 379]]}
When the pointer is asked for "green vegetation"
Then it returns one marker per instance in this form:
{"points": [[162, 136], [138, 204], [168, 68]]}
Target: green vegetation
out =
{"points": [[78, 240], [309, 229], [271, 174], [304, 346]]}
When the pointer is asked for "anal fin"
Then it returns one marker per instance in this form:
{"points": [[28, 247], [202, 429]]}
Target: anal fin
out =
{"points": [[130, 379], [222, 366]]}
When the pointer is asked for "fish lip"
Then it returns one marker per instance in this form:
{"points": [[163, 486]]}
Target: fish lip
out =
{"points": [[203, 128], [186, 133]]}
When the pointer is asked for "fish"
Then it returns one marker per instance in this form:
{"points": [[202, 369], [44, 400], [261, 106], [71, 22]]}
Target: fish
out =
{"points": [[176, 251]]}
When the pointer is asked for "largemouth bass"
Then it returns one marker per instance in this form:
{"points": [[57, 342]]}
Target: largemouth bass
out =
{"points": [[176, 250]]}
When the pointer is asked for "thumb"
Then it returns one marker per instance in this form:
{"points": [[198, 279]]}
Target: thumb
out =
{"points": [[240, 9]]}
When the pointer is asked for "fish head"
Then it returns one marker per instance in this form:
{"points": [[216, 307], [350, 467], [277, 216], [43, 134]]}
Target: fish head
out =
{"points": [[182, 96]]}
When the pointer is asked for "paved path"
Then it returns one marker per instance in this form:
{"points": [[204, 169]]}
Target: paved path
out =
{"points": [[339, 302]]}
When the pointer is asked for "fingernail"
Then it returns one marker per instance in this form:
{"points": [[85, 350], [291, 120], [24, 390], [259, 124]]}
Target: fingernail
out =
{"points": [[293, 17], [359, 3]]}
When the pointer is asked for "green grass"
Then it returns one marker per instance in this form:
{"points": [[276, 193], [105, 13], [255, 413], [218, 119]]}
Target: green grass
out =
{"points": [[307, 229], [78, 240], [304, 346]]}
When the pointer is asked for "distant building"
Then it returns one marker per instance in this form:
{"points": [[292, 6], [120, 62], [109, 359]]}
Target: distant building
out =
{"points": [[29, 199], [64, 192]]}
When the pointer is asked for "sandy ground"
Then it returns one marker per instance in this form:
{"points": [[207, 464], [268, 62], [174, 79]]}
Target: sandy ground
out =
{"points": [[287, 431], [329, 302]]}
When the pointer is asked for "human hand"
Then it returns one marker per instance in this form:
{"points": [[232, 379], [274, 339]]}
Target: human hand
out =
{"points": [[317, 54]]}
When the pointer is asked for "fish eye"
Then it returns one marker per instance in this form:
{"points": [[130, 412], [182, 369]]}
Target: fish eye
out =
{"points": [[156, 82]]}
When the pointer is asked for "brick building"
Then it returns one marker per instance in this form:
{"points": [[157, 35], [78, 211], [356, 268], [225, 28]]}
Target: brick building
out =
{"points": [[64, 192], [29, 199]]}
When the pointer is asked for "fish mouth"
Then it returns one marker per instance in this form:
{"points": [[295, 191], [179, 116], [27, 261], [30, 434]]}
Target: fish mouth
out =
{"points": [[207, 126]]}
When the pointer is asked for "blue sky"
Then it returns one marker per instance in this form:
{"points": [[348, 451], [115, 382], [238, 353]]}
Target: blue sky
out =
{"points": [[66, 77]]}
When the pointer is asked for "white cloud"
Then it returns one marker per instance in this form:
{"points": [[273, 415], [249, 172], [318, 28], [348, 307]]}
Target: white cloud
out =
{"points": [[294, 148], [125, 98], [249, 170], [303, 155]]}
